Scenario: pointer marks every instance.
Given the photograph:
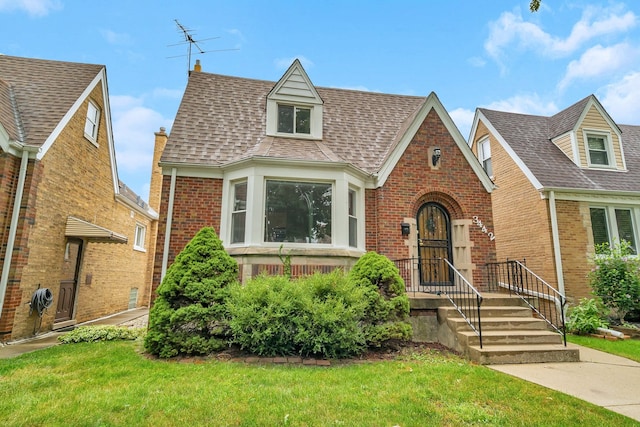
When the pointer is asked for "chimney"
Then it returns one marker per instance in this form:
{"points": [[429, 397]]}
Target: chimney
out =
{"points": [[197, 67], [155, 189]]}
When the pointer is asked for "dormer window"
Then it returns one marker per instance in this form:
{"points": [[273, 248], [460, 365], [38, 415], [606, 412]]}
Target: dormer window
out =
{"points": [[599, 149], [484, 155], [292, 119]]}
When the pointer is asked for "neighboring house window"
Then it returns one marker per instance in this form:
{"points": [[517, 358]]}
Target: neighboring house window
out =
{"points": [[484, 155], [292, 119], [353, 220], [298, 212], [138, 240], [598, 146], [91, 124], [612, 225], [239, 214]]}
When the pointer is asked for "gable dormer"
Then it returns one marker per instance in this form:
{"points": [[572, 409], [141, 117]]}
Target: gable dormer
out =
{"points": [[594, 141], [294, 108]]}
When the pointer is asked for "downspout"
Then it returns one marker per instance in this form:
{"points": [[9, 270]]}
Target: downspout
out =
{"points": [[13, 228], [167, 233], [556, 241]]}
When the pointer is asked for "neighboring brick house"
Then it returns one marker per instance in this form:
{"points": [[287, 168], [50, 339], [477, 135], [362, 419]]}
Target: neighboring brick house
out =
{"points": [[327, 174], [564, 183], [68, 223]]}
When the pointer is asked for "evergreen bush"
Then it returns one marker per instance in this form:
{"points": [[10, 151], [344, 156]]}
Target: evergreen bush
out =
{"points": [[96, 333], [387, 304], [189, 315]]}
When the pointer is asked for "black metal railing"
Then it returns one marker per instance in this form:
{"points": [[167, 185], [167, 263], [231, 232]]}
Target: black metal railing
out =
{"points": [[547, 302], [418, 277]]}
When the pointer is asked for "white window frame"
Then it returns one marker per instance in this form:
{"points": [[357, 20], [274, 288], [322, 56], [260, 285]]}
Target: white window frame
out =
{"points": [[612, 223], [484, 160], [611, 161], [295, 115], [92, 123], [139, 237], [235, 212], [352, 210], [315, 125], [256, 177]]}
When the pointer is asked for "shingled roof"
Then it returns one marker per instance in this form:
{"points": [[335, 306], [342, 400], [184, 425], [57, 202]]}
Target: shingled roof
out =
{"points": [[35, 94], [222, 119], [530, 136]]}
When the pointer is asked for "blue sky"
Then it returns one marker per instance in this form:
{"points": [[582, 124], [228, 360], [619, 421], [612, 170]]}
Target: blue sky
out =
{"points": [[492, 53]]}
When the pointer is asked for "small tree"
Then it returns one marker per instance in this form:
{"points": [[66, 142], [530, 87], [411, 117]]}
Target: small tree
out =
{"points": [[387, 310], [189, 314], [616, 278]]}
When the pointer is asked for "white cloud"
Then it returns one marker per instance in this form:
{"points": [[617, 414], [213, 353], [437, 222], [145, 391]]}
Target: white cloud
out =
{"points": [[32, 7], [116, 38], [134, 125], [598, 61], [285, 63], [524, 104], [622, 99], [463, 119], [511, 29]]}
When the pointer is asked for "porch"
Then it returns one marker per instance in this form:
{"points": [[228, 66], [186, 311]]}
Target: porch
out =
{"points": [[513, 317]]}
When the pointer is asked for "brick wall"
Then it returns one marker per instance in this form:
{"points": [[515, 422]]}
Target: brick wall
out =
{"points": [[74, 178], [521, 217], [576, 246], [197, 204], [413, 182]]}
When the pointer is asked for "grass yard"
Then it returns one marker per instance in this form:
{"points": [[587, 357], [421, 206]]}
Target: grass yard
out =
{"points": [[111, 383], [629, 348]]}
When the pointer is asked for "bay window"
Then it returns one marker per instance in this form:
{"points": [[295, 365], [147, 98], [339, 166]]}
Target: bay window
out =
{"points": [[239, 212], [611, 225]]}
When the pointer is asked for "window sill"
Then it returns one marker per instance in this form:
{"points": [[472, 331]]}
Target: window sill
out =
{"points": [[91, 140], [139, 249], [324, 251]]}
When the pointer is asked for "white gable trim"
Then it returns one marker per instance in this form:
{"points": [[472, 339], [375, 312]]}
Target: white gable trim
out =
{"points": [[517, 160], [432, 102], [593, 102]]}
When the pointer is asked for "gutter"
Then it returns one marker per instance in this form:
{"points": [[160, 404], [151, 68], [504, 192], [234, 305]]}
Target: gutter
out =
{"points": [[15, 216], [167, 233], [556, 242]]}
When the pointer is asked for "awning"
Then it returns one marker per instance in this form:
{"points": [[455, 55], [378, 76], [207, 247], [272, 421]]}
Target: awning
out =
{"points": [[79, 228]]}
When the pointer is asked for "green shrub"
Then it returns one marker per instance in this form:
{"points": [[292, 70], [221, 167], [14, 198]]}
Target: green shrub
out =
{"points": [[586, 317], [387, 304], [189, 315], [318, 315], [616, 278], [101, 333]]}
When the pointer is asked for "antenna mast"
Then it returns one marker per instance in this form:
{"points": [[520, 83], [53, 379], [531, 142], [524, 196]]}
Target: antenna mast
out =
{"points": [[188, 38]]}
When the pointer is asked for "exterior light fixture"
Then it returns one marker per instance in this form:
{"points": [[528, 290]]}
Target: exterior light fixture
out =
{"points": [[405, 228], [435, 157]]}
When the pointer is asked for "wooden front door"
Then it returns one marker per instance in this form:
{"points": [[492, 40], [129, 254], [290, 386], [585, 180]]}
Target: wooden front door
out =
{"points": [[434, 245], [69, 281]]}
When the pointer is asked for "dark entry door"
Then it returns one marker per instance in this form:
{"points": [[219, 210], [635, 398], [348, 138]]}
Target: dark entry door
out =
{"points": [[434, 245], [69, 282]]}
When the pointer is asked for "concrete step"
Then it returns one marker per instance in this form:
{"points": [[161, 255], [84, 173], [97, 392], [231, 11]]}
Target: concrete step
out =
{"points": [[500, 323], [510, 337], [491, 311], [510, 354]]}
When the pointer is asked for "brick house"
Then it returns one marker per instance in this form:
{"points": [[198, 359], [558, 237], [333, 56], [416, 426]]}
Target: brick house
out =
{"points": [[68, 223], [327, 174], [564, 183]]}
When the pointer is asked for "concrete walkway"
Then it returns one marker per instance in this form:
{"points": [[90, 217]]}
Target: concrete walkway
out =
{"points": [[600, 378]]}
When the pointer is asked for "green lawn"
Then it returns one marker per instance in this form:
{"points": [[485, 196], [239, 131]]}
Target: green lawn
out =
{"points": [[112, 383], [629, 348]]}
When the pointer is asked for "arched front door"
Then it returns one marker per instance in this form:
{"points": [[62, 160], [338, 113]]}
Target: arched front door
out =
{"points": [[434, 245]]}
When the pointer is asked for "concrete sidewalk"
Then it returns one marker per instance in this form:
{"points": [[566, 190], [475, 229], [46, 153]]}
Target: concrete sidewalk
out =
{"points": [[50, 339], [600, 378]]}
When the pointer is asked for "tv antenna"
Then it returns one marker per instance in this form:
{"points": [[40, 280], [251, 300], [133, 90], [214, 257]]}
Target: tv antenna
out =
{"points": [[188, 39]]}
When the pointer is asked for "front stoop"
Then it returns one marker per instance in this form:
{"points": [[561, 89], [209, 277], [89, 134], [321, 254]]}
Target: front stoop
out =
{"points": [[510, 334]]}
